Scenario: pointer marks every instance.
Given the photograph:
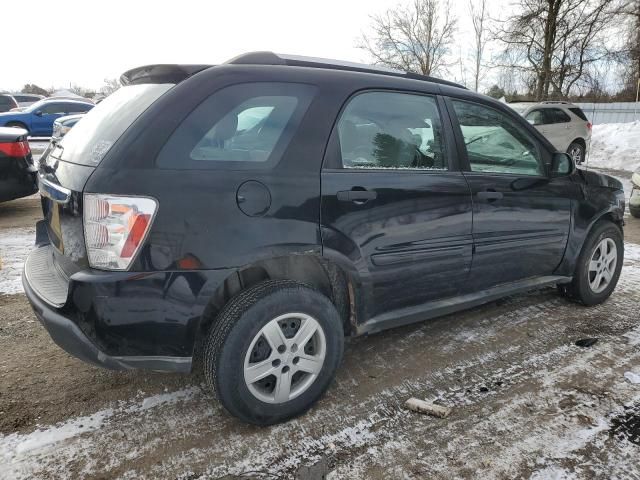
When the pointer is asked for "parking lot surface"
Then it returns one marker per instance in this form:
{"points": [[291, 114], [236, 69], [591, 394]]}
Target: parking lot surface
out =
{"points": [[526, 401]]}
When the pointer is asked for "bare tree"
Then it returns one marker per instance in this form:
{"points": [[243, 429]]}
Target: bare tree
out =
{"points": [[557, 41], [478, 11], [414, 38], [110, 86]]}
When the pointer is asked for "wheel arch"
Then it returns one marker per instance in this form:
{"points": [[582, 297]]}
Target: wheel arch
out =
{"points": [[580, 141], [323, 274]]}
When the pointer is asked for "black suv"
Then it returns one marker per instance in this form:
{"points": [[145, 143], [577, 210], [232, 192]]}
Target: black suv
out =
{"points": [[253, 213]]}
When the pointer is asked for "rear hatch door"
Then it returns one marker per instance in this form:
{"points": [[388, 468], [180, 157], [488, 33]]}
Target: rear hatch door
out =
{"points": [[67, 168]]}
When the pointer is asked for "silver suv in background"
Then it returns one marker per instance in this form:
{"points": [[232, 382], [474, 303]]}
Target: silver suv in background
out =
{"points": [[564, 124]]}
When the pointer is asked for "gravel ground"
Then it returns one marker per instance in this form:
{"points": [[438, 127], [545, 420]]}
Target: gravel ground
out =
{"points": [[527, 402]]}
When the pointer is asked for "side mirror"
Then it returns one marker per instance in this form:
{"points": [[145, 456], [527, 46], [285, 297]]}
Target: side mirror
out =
{"points": [[38, 113], [561, 165]]}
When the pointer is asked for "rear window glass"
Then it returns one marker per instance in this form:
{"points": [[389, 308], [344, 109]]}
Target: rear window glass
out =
{"points": [[4, 100], [241, 125], [578, 111], [26, 98], [91, 139]]}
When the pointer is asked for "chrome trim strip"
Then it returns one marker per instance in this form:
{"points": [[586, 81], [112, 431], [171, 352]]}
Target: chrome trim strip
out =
{"points": [[52, 191]]}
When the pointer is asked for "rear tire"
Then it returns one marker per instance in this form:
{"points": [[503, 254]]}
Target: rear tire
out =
{"points": [[252, 358], [635, 211], [576, 152], [598, 267], [18, 125]]}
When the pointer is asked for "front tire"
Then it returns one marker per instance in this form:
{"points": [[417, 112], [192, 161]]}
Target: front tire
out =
{"points": [[273, 351], [598, 267], [635, 211], [577, 152]]}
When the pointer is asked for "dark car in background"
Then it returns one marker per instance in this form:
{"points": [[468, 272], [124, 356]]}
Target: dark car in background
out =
{"points": [[17, 171], [7, 102], [38, 118], [253, 213]]}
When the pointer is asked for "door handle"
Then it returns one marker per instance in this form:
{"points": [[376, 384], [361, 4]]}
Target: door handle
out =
{"points": [[358, 196], [490, 195]]}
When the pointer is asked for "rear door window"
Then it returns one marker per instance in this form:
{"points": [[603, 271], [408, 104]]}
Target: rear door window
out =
{"points": [[390, 130], [578, 111], [556, 115], [238, 126]]}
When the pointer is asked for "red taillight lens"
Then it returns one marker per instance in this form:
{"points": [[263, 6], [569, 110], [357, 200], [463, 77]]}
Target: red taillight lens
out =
{"points": [[139, 224], [15, 149], [589, 125]]}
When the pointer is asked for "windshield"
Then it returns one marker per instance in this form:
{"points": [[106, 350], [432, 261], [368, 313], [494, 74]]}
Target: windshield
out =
{"points": [[91, 139]]}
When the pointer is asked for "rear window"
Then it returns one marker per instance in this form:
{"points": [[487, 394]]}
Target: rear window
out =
{"points": [[89, 141], [241, 126], [25, 98], [5, 100], [578, 112]]}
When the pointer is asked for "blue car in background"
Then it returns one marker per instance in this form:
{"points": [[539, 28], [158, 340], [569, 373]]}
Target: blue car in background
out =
{"points": [[38, 118]]}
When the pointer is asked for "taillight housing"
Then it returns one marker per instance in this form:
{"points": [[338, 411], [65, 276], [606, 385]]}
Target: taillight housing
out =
{"points": [[115, 227], [589, 126], [15, 149]]}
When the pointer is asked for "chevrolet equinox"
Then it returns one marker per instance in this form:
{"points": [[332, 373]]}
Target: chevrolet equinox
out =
{"points": [[254, 213]]}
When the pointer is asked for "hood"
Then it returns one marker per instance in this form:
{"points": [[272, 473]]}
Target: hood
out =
{"points": [[597, 179]]}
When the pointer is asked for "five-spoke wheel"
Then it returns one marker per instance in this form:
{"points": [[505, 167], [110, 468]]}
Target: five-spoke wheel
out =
{"points": [[273, 351]]}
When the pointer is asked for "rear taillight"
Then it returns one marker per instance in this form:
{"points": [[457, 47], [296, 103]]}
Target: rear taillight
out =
{"points": [[115, 228], [15, 149], [589, 126]]}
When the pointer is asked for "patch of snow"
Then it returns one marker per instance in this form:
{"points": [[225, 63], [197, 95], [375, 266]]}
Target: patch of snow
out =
{"points": [[552, 473], [41, 438], [632, 377], [15, 246], [46, 441], [615, 146]]}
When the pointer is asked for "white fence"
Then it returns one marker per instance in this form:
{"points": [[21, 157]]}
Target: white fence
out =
{"points": [[619, 112]]}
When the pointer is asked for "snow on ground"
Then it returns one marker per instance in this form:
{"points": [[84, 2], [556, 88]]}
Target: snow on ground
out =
{"points": [[15, 245], [615, 146], [562, 412]]}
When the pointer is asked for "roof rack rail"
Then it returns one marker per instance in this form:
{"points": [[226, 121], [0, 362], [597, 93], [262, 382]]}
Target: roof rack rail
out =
{"points": [[270, 58], [556, 101]]}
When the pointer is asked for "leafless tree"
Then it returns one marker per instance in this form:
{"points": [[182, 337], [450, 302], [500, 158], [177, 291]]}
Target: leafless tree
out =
{"points": [[631, 51], [414, 38], [479, 18], [110, 86], [557, 41]]}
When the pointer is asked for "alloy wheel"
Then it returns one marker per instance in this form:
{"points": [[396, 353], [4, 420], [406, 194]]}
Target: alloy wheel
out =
{"points": [[285, 358], [602, 265], [576, 155]]}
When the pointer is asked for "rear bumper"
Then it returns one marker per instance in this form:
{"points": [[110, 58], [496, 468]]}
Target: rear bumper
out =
{"points": [[118, 320], [70, 338]]}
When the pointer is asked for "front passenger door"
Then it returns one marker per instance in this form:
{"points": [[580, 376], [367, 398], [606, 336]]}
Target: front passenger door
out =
{"points": [[521, 217], [43, 124]]}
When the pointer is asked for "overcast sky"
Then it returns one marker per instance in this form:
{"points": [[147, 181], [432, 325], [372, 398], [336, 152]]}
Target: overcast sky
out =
{"points": [[83, 42]]}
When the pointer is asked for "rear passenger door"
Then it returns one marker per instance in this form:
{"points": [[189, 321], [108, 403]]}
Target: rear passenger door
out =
{"points": [[521, 216], [392, 202]]}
